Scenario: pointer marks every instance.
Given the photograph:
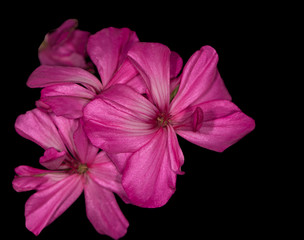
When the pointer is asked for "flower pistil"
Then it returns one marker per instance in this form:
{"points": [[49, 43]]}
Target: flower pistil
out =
{"points": [[82, 168], [163, 120]]}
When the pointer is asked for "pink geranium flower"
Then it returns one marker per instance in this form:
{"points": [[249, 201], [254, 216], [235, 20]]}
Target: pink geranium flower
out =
{"points": [[140, 133], [65, 46], [73, 165], [66, 90]]}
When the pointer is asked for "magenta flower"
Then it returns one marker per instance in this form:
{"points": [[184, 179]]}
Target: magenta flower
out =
{"points": [[65, 46], [66, 90], [73, 165], [140, 133]]}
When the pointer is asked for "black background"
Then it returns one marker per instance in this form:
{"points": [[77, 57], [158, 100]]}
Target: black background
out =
{"points": [[221, 195]]}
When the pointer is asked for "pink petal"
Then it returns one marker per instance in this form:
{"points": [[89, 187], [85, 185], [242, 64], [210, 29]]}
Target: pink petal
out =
{"points": [[176, 155], [106, 175], [200, 81], [120, 120], [43, 207], [66, 106], [29, 178], [79, 40], [65, 46], [108, 49], [119, 159], [47, 51], [52, 159], [148, 178], [67, 89], [198, 117], [217, 91], [45, 76], [61, 58], [176, 64], [223, 124], [127, 74], [85, 151], [66, 128], [38, 127], [103, 211], [43, 106], [138, 84], [66, 100], [60, 34], [152, 60]]}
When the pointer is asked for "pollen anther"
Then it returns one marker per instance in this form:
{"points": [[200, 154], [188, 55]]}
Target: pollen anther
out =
{"points": [[163, 120], [82, 168]]}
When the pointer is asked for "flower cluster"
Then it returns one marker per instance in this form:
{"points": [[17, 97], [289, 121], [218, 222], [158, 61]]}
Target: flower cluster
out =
{"points": [[110, 110]]}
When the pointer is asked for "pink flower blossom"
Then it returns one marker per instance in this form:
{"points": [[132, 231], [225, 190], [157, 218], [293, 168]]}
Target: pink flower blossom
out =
{"points": [[65, 46], [73, 165], [66, 90], [140, 133]]}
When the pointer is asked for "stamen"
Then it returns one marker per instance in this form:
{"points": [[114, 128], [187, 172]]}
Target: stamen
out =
{"points": [[163, 120], [82, 168]]}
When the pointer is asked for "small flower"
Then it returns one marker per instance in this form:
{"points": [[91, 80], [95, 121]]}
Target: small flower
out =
{"points": [[65, 46], [140, 133], [73, 165]]}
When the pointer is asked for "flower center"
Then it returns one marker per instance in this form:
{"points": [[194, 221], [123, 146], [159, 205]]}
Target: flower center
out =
{"points": [[82, 168], [163, 120]]}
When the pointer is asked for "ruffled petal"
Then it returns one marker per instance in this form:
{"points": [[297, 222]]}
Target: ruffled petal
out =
{"points": [[200, 81], [52, 159], [216, 126], [120, 120], [48, 51], [65, 46], [38, 127], [152, 60], [43, 207], [106, 175], [85, 150], [103, 211], [176, 64], [66, 128], [79, 41], [119, 159], [66, 100], [29, 178], [45, 76], [108, 49], [176, 155], [138, 84], [127, 74], [67, 89], [60, 34], [148, 178], [66, 106]]}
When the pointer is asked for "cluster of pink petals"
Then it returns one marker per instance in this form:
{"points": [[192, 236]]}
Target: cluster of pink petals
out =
{"points": [[117, 133], [65, 46], [66, 90], [140, 133], [73, 165]]}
